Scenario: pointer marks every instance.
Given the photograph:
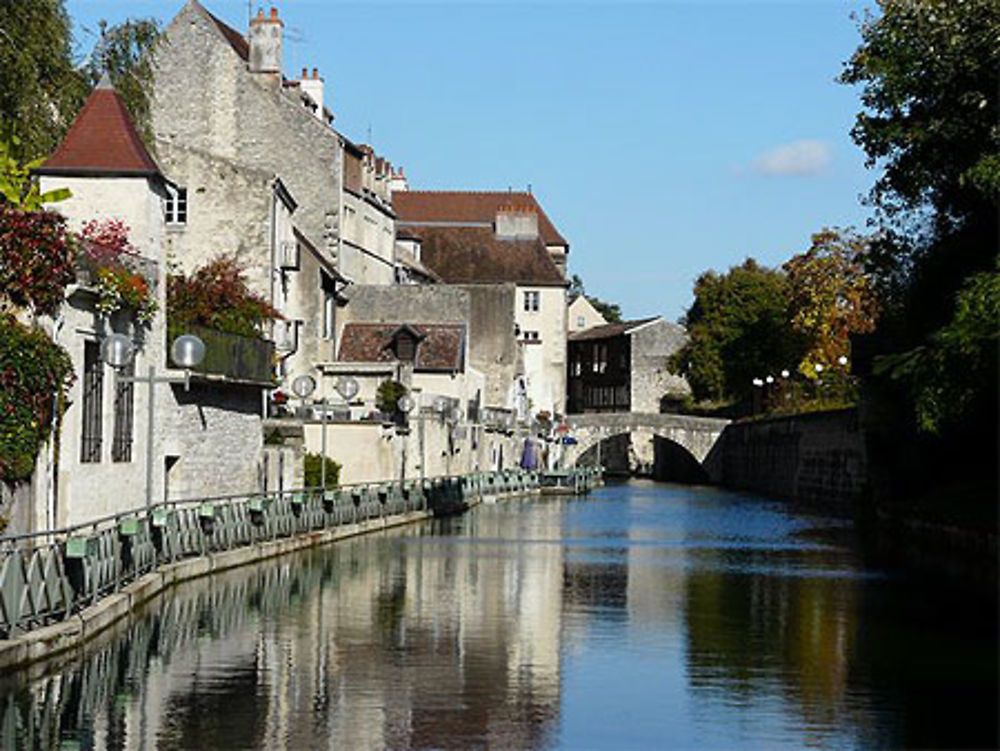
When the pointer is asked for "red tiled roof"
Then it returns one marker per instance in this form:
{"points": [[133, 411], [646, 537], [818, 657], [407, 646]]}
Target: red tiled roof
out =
{"points": [[420, 206], [101, 140], [474, 255], [442, 347]]}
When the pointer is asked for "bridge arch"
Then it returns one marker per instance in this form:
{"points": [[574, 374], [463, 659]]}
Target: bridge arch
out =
{"points": [[685, 442]]}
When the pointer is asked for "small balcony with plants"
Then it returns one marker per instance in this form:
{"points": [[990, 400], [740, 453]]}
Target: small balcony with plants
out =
{"points": [[107, 263], [215, 303]]}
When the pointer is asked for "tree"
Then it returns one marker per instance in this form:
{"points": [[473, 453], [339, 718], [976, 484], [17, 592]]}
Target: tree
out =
{"points": [[832, 296], [612, 312], [928, 72], [42, 87], [739, 328]]}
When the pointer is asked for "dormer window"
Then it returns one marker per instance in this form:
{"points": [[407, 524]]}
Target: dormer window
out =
{"points": [[175, 207], [404, 343]]}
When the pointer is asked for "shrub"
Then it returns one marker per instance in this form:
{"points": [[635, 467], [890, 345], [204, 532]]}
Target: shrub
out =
{"points": [[34, 375], [36, 258], [217, 296], [389, 392], [313, 471]]}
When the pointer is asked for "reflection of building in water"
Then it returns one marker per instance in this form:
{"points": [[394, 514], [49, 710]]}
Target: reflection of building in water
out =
{"points": [[406, 640]]}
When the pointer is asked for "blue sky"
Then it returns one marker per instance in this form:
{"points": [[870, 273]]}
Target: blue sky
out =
{"points": [[663, 139]]}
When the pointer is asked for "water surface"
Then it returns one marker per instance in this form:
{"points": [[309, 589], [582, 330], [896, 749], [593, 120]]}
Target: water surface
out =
{"points": [[647, 616]]}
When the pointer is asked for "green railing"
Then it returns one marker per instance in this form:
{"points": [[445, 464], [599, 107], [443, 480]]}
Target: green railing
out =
{"points": [[241, 358], [46, 577]]}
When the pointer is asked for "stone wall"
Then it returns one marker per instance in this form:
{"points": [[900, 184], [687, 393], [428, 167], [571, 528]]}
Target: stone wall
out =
{"points": [[652, 346], [815, 458], [434, 303], [493, 349], [216, 436]]}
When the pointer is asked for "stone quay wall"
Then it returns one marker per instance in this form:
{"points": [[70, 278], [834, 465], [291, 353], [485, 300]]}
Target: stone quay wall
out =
{"points": [[816, 458]]}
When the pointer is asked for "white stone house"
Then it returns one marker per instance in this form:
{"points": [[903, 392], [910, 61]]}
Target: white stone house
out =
{"points": [[206, 440]]}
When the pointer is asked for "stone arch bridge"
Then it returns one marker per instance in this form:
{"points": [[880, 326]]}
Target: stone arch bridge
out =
{"points": [[665, 446]]}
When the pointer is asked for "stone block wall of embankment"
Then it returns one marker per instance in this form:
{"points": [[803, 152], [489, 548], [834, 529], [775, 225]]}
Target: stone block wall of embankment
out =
{"points": [[817, 458]]}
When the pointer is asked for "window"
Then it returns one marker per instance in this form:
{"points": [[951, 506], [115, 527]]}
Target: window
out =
{"points": [[532, 300], [93, 390], [121, 444], [328, 285], [581, 322], [600, 361], [531, 336], [175, 209]]}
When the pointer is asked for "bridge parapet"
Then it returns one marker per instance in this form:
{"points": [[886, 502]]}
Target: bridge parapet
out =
{"points": [[697, 435]]}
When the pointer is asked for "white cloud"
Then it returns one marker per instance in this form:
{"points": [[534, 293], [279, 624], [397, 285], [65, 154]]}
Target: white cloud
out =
{"points": [[800, 158]]}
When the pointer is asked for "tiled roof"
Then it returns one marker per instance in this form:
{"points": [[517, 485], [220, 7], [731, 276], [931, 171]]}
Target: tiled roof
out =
{"points": [[474, 255], [608, 330], [472, 207], [101, 140], [442, 347]]}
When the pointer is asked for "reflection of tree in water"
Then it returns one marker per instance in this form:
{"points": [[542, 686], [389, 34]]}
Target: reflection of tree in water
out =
{"points": [[401, 640], [752, 635]]}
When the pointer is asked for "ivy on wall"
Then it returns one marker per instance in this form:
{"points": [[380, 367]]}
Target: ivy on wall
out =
{"points": [[35, 373]]}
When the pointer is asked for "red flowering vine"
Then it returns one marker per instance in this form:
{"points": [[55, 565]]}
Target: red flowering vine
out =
{"points": [[36, 258]]}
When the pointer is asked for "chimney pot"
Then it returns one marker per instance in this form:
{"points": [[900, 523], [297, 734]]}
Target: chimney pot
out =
{"points": [[274, 13], [315, 72], [304, 73]]}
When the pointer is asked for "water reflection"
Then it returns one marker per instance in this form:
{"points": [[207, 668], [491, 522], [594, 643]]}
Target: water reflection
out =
{"points": [[649, 616]]}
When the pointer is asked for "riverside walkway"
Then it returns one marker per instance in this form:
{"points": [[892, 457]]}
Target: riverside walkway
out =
{"points": [[60, 588]]}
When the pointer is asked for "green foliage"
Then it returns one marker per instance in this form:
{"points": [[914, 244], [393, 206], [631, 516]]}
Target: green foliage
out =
{"points": [[34, 373], [956, 371], [17, 187], [389, 392], [739, 328], [40, 87], [313, 464], [612, 312], [217, 296], [36, 259], [831, 296], [928, 72]]}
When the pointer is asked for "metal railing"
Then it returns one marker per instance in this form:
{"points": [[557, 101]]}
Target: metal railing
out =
{"points": [[49, 576], [242, 358]]}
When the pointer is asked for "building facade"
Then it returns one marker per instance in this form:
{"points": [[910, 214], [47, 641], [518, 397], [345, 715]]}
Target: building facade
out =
{"points": [[622, 367]]}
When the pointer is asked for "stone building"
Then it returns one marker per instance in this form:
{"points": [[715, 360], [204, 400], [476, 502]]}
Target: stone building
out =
{"points": [[622, 367], [206, 440], [482, 241], [262, 175]]}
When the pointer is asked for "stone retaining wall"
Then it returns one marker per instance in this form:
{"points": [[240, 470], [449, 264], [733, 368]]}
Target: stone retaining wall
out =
{"points": [[817, 458]]}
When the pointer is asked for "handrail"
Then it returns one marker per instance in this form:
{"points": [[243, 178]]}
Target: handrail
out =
{"points": [[50, 575]]}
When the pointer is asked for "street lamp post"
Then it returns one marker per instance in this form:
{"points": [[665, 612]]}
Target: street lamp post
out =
{"points": [[405, 405], [302, 387], [187, 350]]}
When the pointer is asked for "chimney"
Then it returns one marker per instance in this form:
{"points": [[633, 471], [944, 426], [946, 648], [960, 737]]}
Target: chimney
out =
{"points": [[397, 182], [313, 86], [265, 45], [516, 222]]}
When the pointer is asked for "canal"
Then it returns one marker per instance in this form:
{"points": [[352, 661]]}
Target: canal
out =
{"points": [[646, 616]]}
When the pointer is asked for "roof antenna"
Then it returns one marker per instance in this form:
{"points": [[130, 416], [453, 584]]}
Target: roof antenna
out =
{"points": [[369, 133], [249, 12], [529, 189]]}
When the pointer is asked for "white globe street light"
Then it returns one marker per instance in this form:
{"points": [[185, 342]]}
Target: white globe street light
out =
{"points": [[842, 360], [303, 386], [785, 374], [187, 351], [117, 350], [347, 387], [405, 404]]}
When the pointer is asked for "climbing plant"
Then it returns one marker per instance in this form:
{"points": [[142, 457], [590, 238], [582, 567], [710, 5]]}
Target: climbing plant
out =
{"points": [[36, 258], [35, 373]]}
